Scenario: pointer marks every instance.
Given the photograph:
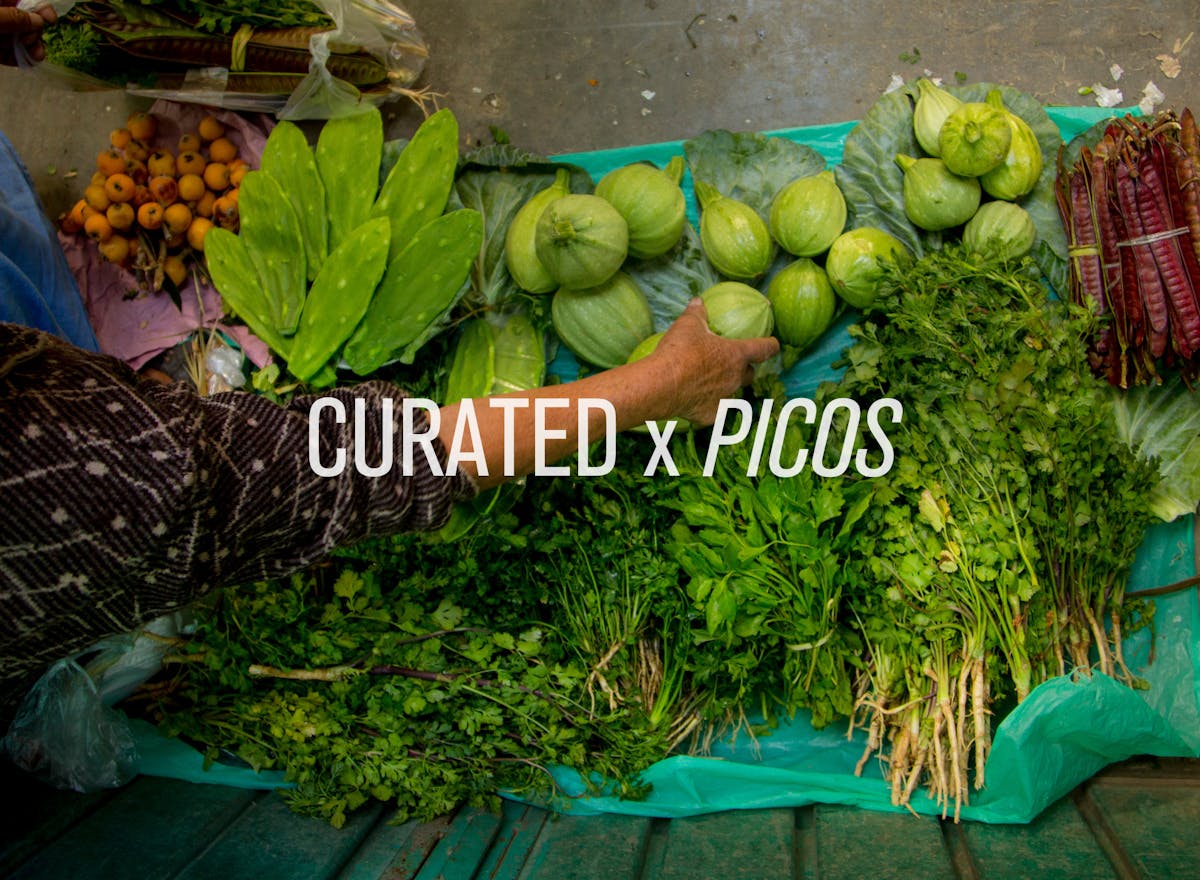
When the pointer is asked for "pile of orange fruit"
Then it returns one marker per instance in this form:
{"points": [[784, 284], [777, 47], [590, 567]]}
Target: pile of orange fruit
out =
{"points": [[149, 206]]}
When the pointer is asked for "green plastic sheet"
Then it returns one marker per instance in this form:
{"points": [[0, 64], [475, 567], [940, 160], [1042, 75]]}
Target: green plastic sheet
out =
{"points": [[1064, 732]]}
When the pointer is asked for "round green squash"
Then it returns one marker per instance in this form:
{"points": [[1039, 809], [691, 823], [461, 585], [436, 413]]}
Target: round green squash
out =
{"points": [[520, 241], [803, 302], [808, 214], [651, 202], [853, 263], [582, 240], [734, 238], [974, 139], [736, 310], [603, 325]]}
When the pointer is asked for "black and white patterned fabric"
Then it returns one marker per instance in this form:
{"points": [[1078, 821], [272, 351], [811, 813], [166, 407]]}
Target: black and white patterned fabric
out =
{"points": [[122, 499]]}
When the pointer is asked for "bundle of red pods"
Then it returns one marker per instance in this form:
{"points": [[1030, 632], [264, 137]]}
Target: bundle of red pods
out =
{"points": [[1131, 208]]}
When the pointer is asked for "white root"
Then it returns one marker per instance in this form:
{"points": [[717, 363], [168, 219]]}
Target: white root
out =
{"points": [[914, 776], [938, 787], [983, 736], [899, 764], [957, 771], [1101, 639], [874, 741]]}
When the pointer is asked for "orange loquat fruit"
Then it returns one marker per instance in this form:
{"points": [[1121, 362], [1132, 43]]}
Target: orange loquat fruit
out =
{"points": [[164, 189], [143, 126], [119, 188], [121, 215], [210, 128], [177, 218], [191, 187], [222, 150], [190, 163], [97, 227], [150, 216], [110, 161]]}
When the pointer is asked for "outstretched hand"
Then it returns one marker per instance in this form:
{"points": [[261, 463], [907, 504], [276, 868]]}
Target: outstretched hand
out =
{"points": [[687, 376], [25, 27], [703, 367]]}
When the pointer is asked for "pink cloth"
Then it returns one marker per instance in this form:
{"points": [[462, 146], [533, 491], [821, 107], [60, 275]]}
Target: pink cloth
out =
{"points": [[136, 329]]}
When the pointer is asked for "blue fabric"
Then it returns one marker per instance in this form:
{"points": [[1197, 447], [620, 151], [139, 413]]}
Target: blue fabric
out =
{"points": [[36, 286]]}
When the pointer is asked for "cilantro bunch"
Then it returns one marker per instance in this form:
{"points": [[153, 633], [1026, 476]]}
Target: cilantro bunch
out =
{"points": [[996, 552]]}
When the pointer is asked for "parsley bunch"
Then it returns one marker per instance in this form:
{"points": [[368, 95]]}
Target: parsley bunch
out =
{"points": [[428, 674]]}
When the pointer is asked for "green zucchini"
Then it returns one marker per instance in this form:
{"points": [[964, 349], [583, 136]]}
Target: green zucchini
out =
{"points": [[472, 367], [520, 356]]}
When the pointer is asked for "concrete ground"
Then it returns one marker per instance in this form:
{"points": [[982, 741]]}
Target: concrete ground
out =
{"points": [[580, 74]]}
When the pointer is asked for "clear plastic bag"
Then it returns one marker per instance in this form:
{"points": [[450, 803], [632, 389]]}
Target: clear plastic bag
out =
{"points": [[224, 367], [65, 735], [384, 30], [66, 731]]}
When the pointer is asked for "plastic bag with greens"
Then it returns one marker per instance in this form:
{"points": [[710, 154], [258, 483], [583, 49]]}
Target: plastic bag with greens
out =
{"points": [[67, 731], [298, 59]]}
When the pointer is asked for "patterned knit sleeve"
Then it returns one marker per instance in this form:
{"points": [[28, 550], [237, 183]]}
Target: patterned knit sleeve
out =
{"points": [[123, 499]]}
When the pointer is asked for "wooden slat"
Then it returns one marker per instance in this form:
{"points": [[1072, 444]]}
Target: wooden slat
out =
{"points": [[1157, 828], [749, 844], [607, 847], [270, 842], [150, 828], [1145, 771], [854, 844], [44, 814], [1057, 844], [407, 860], [806, 843], [383, 846], [461, 851], [520, 827]]}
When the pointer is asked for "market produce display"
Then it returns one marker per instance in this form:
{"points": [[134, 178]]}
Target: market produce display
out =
{"points": [[995, 551], [903, 122], [909, 554], [387, 266]]}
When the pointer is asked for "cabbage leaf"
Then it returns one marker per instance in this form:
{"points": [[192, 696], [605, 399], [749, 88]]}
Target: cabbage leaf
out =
{"points": [[496, 180], [670, 281], [1162, 422], [748, 166], [873, 184]]}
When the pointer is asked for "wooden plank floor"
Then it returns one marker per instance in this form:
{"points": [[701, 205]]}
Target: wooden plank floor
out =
{"points": [[1136, 820]]}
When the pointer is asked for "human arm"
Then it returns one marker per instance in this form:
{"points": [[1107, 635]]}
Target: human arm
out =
{"points": [[686, 376], [129, 498], [124, 499], [26, 26]]}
